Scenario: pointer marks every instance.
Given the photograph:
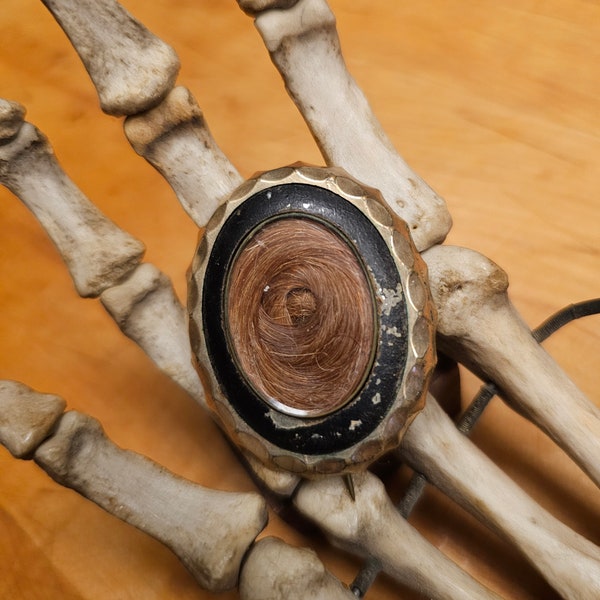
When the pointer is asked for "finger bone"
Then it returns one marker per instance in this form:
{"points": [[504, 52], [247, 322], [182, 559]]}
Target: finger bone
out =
{"points": [[11, 119], [371, 525], [26, 417], [146, 310], [305, 47], [479, 327], [131, 68], [253, 7], [97, 253], [293, 574], [174, 138], [280, 483], [210, 531], [434, 447]]}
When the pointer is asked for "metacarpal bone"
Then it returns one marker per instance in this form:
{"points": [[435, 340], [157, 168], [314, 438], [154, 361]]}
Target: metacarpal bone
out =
{"points": [[97, 253], [305, 47], [210, 531], [434, 447], [371, 525], [479, 327], [132, 69], [274, 570], [146, 309], [26, 417], [174, 138]]}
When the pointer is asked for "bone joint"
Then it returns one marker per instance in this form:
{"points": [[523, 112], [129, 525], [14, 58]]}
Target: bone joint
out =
{"points": [[274, 570], [97, 253], [146, 309], [102, 259], [11, 120], [479, 327], [371, 525], [175, 139], [210, 531], [27, 418], [131, 68]]}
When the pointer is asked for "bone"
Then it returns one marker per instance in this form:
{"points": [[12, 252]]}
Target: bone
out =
{"points": [[479, 327], [174, 138], [97, 253], [11, 119], [434, 447], [371, 525], [26, 417], [293, 574], [280, 483], [210, 531], [131, 68], [146, 310], [304, 46], [253, 7]]}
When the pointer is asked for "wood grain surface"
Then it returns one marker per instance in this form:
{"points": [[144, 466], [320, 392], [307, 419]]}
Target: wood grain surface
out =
{"points": [[496, 104]]}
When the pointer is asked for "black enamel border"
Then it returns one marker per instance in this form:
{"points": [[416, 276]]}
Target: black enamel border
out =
{"points": [[356, 420]]}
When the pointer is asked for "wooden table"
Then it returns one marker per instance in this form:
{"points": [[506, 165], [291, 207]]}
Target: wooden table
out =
{"points": [[494, 103]]}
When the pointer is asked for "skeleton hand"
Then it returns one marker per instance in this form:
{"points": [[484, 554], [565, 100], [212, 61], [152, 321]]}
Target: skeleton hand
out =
{"points": [[179, 428]]}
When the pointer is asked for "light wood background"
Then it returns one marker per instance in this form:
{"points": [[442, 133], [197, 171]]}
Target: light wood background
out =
{"points": [[496, 104]]}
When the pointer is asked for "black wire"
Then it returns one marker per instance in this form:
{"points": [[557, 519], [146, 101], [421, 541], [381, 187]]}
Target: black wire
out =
{"points": [[366, 576], [565, 316], [478, 405]]}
